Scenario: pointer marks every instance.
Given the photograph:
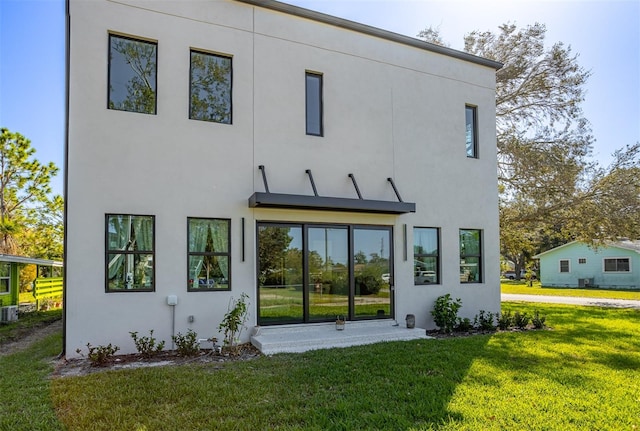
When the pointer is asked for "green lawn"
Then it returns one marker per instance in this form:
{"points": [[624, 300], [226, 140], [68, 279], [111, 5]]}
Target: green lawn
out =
{"points": [[582, 374], [26, 322], [520, 287]]}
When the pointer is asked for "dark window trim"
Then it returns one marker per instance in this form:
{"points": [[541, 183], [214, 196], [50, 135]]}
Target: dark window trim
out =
{"points": [[437, 256], [479, 256], [215, 54], [568, 266], [320, 78], [107, 250], [473, 109], [135, 39], [227, 254]]}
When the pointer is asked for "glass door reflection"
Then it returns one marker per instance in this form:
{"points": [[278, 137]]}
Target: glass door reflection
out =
{"points": [[372, 270]]}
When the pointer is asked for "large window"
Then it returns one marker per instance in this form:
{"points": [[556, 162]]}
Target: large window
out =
{"points": [[132, 74], [210, 87], [426, 255], [130, 249], [564, 265], [209, 254], [5, 277], [470, 255], [471, 131], [314, 104], [617, 265]]}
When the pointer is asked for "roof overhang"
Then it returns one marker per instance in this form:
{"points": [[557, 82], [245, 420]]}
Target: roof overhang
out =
{"points": [[322, 203], [28, 260]]}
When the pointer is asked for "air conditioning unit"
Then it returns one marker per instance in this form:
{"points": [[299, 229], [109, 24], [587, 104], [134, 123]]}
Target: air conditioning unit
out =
{"points": [[585, 282], [9, 314]]}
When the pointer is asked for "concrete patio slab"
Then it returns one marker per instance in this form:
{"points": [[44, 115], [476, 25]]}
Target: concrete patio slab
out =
{"points": [[301, 338]]}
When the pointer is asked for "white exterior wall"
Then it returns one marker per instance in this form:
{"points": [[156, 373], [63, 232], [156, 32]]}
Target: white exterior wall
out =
{"points": [[390, 110]]}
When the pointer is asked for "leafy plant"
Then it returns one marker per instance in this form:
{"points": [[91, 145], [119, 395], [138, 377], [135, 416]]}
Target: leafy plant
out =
{"points": [[464, 325], [521, 320], [234, 321], [505, 320], [538, 320], [445, 312], [100, 355], [484, 321], [186, 345], [147, 346]]}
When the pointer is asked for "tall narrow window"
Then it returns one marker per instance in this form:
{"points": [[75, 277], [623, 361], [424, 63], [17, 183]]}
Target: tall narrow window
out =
{"points": [[5, 277], [132, 75], [426, 255], [471, 131], [210, 85], [209, 254], [564, 265], [130, 253], [314, 104], [470, 256]]}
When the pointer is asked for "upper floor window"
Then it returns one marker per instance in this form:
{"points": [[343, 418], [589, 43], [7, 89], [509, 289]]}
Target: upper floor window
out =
{"points": [[564, 265], [209, 254], [426, 255], [471, 131], [470, 255], [130, 250], [314, 104], [132, 74], [5, 277], [210, 87], [617, 265]]}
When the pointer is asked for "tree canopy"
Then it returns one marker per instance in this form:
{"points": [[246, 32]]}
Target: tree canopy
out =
{"points": [[30, 217], [551, 191]]}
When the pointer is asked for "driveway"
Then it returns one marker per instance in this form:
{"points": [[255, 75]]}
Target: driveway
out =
{"points": [[573, 300]]}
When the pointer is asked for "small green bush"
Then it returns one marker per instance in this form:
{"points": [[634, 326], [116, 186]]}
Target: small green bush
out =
{"points": [[537, 320], [505, 320], [464, 325], [445, 312], [521, 320], [147, 346], [484, 321], [234, 321], [186, 345], [100, 355]]}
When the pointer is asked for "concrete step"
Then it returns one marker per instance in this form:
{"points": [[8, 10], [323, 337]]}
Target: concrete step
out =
{"points": [[312, 336]]}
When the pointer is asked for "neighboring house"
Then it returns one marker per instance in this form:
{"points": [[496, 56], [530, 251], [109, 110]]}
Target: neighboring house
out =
{"points": [[576, 264], [321, 166], [10, 266]]}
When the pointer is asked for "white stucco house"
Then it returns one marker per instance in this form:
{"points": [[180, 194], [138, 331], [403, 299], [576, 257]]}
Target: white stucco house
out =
{"points": [[320, 166], [613, 264]]}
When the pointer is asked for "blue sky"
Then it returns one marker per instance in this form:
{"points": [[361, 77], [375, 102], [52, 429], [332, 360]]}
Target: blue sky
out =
{"points": [[606, 35]]}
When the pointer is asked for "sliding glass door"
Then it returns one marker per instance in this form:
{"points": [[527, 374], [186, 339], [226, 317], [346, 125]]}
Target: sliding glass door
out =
{"points": [[314, 273]]}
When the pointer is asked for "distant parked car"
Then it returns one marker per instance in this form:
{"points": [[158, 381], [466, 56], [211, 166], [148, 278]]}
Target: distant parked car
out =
{"points": [[511, 275]]}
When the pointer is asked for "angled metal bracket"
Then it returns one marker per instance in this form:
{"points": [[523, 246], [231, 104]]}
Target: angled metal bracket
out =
{"points": [[353, 179], [313, 184], [264, 178], [395, 189]]}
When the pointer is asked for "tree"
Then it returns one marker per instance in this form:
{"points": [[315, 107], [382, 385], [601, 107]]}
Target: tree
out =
{"points": [[549, 190], [30, 220]]}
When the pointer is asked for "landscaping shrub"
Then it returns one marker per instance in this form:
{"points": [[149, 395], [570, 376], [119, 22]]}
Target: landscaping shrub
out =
{"points": [[445, 312], [484, 321], [100, 355], [521, 320], [537, 320], [464, 325], [234, 321], [505, 320], [147, 346], [186, 345]]}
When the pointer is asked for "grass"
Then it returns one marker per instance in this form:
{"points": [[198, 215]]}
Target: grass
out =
{"points": [[583, 374], [520, 287]]}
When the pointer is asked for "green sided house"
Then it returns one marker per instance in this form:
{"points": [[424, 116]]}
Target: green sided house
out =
{"points": [[48, 282], [615, 264]]}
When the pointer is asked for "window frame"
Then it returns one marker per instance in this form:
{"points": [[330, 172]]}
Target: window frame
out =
{"points": [[155, 76], [109, 251], [582, 260], [617, 270], [438, 279], [320, 104], [474, 131], [7, 278], [193, 51], [226, 254], [479, 256], [568, 261]]}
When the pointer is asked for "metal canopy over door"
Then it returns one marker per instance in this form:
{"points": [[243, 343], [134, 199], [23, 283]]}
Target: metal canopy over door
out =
{"points": [[313, 272]]}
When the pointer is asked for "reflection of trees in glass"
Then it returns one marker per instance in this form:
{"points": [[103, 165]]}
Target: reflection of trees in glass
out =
{"points": [[210, 87], [274, 254], [132, 75]]}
